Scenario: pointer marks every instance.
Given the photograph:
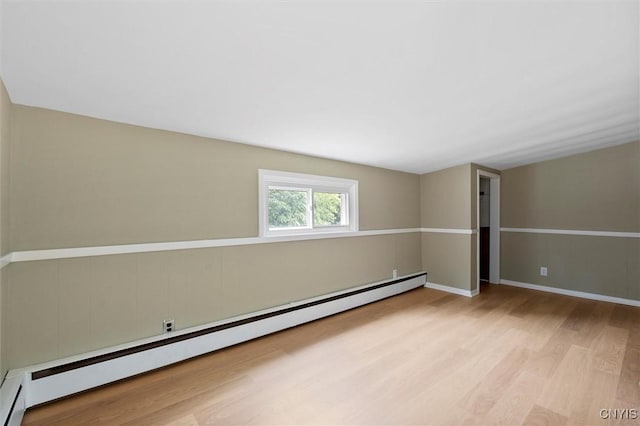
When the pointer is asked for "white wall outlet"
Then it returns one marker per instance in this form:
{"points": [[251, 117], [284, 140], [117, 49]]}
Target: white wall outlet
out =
{"points": [[168, 325], [543, 271], [395, 273]]}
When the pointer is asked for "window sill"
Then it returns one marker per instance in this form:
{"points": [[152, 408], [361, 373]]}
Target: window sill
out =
{"points": [[309, 235]]}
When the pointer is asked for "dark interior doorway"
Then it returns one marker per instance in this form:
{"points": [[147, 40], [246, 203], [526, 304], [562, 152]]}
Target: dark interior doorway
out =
{"points": [[485, 221]]}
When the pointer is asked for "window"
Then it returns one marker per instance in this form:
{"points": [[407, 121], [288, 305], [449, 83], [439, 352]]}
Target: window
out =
{"points": [[294, 203]]}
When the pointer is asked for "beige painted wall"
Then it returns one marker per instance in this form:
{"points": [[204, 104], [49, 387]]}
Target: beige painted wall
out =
{"points": [[96, 302], [447, 259], [5, 121], [446, 203], [598, 191], [444, 198], [448, 200], [77, 181], [599, 265]]}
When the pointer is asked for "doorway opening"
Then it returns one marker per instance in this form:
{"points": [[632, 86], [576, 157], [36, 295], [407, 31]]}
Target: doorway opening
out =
{"points": [[488, 229]]}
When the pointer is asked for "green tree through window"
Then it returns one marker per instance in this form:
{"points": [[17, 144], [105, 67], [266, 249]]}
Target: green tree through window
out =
{"points": [[287, 208], [300, 204], [327, 209]]}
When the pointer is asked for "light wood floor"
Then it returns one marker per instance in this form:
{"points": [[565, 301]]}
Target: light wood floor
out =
{"points": [[509, 356]]}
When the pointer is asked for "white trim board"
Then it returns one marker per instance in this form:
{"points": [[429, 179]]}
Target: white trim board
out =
{"points": [[65, 383], [574, 293], [487, 174], [450, 231], [449, 289], [66, 253], [30, 255], [574, 232], [494, 228]]}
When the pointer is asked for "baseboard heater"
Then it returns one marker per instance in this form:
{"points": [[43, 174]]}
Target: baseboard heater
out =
{"points": [[15, 419], [54, 380], [12, 400]]}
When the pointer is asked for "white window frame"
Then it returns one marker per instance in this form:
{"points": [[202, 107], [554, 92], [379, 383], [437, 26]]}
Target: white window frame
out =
{"points": [[296, 181]]}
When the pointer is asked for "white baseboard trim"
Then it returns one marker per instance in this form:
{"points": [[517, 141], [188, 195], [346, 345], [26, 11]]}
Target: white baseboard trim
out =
{"points": [[574, 293], [12, 399], [454, 290], [52, 380]]}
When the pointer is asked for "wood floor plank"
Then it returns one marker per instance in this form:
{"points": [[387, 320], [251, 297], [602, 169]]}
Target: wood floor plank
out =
{"points": [[519, 399], [509, 356], [624, 316], [585, 408], [609, 349], [539, 416], [634, 337], [593, 324], [542, 321], [481, 399], [188, 420], [569, 380], [443, 300], [529, 305], [628, 390], [577, 319], [545, 361]]}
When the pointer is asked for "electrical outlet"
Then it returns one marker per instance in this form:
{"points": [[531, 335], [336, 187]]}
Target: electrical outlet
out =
{"points": [[168, 325], [543, 271], [395, 273]]}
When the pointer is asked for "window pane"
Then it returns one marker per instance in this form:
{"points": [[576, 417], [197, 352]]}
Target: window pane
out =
{"points": [[300, 204], [328, 209], [288, 208]]}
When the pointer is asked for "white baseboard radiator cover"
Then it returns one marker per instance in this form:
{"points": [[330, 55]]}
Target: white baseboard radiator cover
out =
{"points": [[46, 382], [12, 400]]}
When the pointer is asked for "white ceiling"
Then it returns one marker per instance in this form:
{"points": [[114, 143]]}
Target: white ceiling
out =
{"points": [[407, 85]]}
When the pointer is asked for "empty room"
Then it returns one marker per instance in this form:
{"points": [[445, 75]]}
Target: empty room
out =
{"points": [[274, 212]]}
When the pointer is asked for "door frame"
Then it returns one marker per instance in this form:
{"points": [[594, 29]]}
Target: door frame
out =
{"points": [[494, 223]]}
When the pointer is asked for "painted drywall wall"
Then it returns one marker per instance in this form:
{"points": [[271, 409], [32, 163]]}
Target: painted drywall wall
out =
{"points": [[77, 181], [594, 191], [102, 301], [447, 259], [444, 198], [5, 124], [446, 204], [597, 191], [448, 201]]}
